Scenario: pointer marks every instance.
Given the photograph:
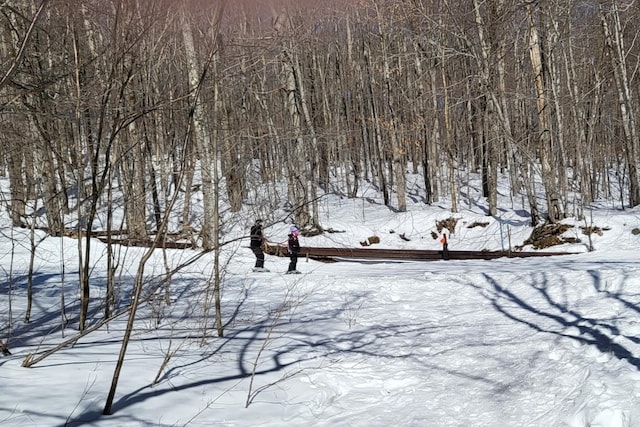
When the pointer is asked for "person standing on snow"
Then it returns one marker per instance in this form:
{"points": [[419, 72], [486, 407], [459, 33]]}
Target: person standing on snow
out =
{"points": [[294, 248], [256, 245], [445, 246]]}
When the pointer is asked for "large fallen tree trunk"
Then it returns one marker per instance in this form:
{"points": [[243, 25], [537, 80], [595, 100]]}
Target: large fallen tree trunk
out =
{"points": [[402, 254]]}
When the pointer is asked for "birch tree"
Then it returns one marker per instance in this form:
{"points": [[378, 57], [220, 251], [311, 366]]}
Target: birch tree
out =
{"points": [[544, 131], [615, 41]]}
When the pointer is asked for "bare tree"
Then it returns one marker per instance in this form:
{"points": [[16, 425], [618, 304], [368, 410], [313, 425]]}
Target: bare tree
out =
{"points": [[612, 28], [544, 131], [19, 53]]}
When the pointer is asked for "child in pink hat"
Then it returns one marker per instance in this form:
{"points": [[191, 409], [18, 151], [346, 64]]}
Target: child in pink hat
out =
{"points": [[294, 249]]}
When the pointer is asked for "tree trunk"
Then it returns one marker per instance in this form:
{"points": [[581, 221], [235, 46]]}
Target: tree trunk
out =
{"points": [[201, 135], [545, 140], [614, 39]]}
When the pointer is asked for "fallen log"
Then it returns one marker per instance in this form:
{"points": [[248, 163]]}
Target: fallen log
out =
{"points": [[402, 254], [146, 243]]}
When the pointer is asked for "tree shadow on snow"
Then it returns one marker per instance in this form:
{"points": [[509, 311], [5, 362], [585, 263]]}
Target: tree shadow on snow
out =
{"points": [[282, 350], [594, 332]]}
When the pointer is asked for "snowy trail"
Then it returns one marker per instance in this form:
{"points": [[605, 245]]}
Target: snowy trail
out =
{"points": [[449, 332], [510, 342]]}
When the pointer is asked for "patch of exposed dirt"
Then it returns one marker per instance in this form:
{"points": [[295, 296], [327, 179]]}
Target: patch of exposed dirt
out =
{"points": [[592, 229], [478, 224], [372, 240], [449, 223], [548, 235]]}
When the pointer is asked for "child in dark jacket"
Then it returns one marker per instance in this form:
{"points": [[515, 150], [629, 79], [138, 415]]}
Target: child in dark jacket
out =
{"points": [[294, 249], [256, 245]]}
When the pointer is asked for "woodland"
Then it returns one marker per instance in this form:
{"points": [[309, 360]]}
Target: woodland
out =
{"points": [[137, 93], [136, 106]]}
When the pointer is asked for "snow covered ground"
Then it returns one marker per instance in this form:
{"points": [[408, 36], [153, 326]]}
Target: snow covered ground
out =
{"points": [[551, 341]]}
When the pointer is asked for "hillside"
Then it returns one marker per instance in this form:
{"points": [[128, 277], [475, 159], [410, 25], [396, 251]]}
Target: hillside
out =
{"points": [[539, 342]]}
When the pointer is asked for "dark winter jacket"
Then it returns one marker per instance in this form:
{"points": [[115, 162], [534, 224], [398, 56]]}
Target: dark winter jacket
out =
{"points": [[256, 236], [294, 244]]}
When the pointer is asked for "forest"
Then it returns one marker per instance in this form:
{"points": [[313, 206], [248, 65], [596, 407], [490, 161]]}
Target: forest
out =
{"points": [[129, 105], [261, 92], [117, 117]]}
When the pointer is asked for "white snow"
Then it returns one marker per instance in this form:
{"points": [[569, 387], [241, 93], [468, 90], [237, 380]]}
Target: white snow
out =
{"points": [[552, 341]]}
